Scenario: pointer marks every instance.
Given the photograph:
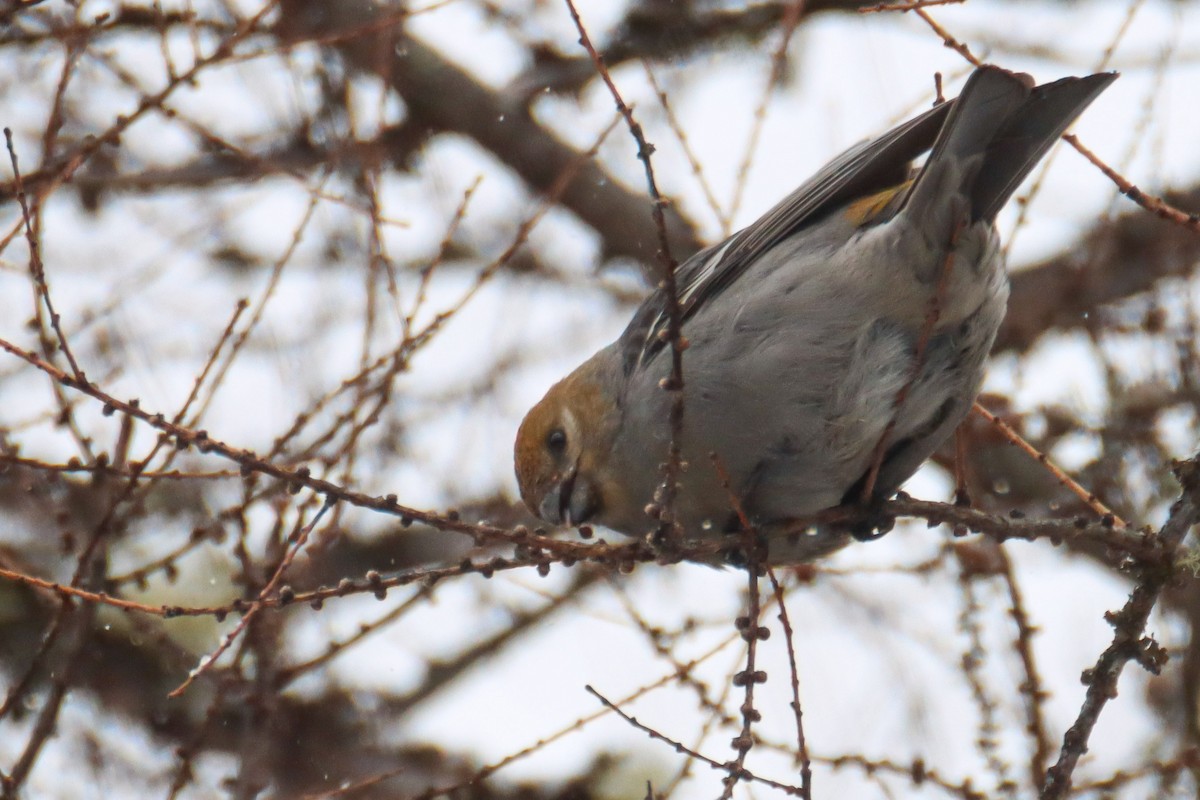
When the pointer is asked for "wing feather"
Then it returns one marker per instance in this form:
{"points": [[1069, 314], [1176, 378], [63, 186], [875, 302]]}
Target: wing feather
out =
{"points": [[862, 170]]}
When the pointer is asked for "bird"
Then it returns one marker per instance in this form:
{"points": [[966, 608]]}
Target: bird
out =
{"points": [[828, 348]]}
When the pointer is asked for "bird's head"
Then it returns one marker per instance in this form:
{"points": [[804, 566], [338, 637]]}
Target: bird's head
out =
{"points": [[564, 445]]}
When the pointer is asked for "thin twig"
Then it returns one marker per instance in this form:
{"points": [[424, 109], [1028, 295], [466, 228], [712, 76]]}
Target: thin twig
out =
{"points": [[1030, 688], [791, 19], [908, 6], [751, 631], [491, 769], [1062, 477], [789, 641], [948, 40], [973, 662], [669, 532], [679, 747], [35, 258], [267, 591], [1155, 205], [676, 127]]}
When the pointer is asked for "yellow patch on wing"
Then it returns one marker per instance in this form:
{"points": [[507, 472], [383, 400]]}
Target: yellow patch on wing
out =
{"points": [[864, 210]]}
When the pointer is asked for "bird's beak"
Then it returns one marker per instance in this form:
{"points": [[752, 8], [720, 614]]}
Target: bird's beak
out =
{"points": [[570, 501]]}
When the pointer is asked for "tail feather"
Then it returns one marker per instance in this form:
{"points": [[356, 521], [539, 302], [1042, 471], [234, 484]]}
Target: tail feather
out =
{"points": [[1030, 132], [1000, 127], [990, 98]]}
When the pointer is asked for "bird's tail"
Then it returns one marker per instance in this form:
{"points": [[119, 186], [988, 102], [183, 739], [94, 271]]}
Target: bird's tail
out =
{"points": [[999, 128]]}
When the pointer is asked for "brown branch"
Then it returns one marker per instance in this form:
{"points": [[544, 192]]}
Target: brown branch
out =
{"points": [[1066, 481], [752, 632], [1128, 642], [669, 532], [1155, 205], [1142, 546], [51, 176], [501, 123], [668, 32], [79, 624], [1116, 260], [908, 6]]}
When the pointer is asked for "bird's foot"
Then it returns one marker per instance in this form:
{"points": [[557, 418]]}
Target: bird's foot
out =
{"points": [[871, 521]]}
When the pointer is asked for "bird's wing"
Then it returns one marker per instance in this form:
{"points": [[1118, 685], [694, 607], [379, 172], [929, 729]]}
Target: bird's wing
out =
{"points": [[863, 170]]}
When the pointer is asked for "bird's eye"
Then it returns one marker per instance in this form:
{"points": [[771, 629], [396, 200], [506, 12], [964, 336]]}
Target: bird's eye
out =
{"points": [[556, 441]]}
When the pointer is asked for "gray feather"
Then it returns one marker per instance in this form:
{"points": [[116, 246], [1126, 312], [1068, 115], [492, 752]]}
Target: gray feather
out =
{"points": [[804, 327]]}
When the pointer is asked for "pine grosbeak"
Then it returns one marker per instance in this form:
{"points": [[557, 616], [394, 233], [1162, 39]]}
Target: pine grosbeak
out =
{"points": [[818, 362]]}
